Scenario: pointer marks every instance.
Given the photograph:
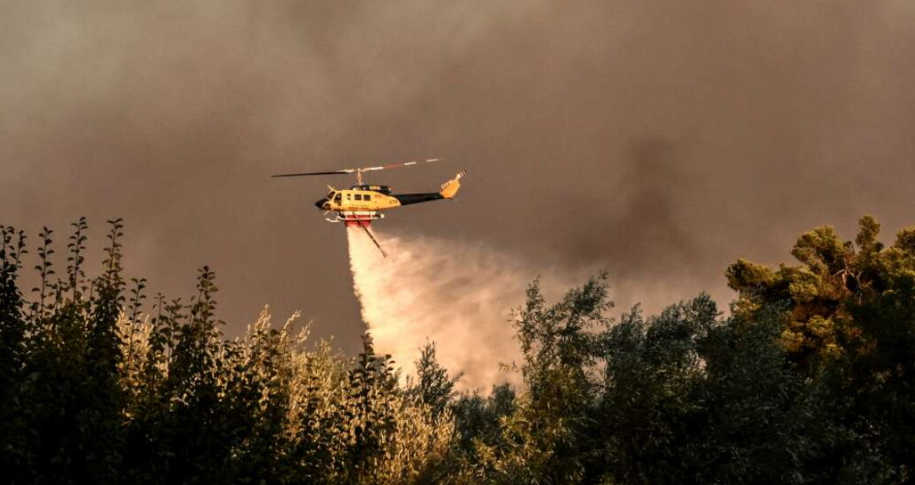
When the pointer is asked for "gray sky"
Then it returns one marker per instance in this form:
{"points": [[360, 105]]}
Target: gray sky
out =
{"points": [[659, 140]]}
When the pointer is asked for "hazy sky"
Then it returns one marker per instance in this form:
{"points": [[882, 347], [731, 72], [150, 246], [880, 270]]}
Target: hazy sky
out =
{"points": [[660, 140]]}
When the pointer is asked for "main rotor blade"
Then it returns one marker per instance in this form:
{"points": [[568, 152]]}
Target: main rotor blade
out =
{"points": [[335, 172], [356, 170], [397, 165]]}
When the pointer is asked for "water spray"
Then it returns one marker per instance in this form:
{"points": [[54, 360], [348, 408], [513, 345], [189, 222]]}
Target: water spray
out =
{"points": [[458, 295]]}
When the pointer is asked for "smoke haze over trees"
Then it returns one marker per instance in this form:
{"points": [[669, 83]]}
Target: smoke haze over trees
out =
{"points": [[589, 129], [809, 381]]}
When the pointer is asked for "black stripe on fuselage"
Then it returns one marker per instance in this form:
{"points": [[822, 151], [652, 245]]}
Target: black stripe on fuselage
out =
{"points": [[407, 199]]}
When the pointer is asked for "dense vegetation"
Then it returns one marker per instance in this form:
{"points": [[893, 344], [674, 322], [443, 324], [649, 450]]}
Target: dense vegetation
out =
{"points": [[810, 380]]}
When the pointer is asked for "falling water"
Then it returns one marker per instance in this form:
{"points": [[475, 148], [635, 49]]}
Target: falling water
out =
{"points": [[458, 295]]}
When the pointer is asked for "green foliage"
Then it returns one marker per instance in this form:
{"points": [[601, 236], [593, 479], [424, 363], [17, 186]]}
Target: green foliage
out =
{"points": [[14, 353], [478, 420], [850, 328], [96, 391], [544, 435], [433, 388], [648, 402], [810, 381], [692, 398], [832, 274]]}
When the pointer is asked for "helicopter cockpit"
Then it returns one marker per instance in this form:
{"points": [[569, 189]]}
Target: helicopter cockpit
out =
{"points": [[332, 196]]}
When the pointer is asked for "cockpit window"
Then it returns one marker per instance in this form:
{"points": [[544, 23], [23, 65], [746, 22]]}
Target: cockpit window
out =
{"points": [[337, 198]]}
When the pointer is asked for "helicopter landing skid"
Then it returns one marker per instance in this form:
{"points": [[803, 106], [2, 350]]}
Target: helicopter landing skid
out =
{"points": [[352, 218]]}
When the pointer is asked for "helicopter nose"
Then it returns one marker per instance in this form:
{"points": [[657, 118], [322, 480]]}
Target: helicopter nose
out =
{"points": [[320, 203]]}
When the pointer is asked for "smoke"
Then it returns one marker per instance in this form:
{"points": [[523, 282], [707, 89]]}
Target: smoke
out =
{"points": [[459, 296], [659, 140]]}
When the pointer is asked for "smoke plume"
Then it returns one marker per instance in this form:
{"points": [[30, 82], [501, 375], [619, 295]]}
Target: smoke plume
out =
{"points": [[658, 140]]}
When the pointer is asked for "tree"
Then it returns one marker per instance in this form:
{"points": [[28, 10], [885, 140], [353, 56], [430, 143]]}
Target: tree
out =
{"points": [[13, 355], [544, 438], [433, 387], [809, 381], [647, 409], [851, 321]]}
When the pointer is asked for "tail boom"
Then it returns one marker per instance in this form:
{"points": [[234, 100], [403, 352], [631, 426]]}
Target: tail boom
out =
{"points": [[449, 190]]}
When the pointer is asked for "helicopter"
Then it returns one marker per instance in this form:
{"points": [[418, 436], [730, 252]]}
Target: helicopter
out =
{"points": [[363, 203]]}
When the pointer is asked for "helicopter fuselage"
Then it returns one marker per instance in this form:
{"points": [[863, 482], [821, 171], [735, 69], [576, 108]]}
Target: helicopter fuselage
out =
{"points": [[361, 204], [361, 198], [357, 199]]}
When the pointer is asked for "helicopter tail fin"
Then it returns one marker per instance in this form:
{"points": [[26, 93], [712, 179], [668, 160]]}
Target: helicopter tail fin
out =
{"points": [[450, 188]]}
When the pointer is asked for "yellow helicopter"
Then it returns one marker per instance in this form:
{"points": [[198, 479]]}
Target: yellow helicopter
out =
{"points": [[363, 203]]}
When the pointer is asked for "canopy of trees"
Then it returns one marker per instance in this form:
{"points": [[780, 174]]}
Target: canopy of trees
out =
{"points": [[810, 380]]}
